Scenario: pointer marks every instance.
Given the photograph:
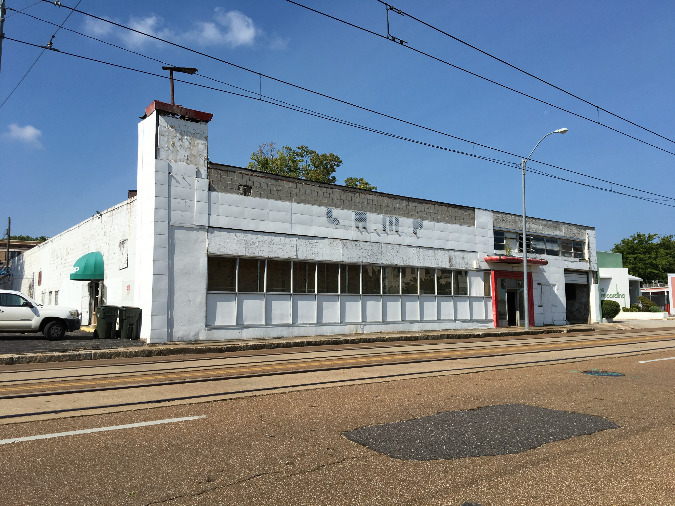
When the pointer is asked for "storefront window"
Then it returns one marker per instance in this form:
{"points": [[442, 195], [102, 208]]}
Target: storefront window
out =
{"points": [[461, 283], [444, 282], [350, 279], [428, 281], [391, 280], [278, 276], [409, 280], [222, 273], [327, 278], [251, 275], [371, 279], [303, 277], [487, 284]]}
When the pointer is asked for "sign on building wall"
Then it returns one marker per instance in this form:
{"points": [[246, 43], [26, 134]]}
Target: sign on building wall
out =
{"points": [[613, 295]]}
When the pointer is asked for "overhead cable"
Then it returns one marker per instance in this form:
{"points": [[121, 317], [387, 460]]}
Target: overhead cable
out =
{"points": [[310, 112], [491, 81], [595, 106], [350, 104], [44, 48]]}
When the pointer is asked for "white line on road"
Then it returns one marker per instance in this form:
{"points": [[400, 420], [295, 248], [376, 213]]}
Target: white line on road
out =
{"points": [[99, 429], [655, 360]]}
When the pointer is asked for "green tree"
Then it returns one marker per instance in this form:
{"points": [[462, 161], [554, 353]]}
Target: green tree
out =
{"points": [[42, 238], [360, 183], [303, 163], [648, 256]]}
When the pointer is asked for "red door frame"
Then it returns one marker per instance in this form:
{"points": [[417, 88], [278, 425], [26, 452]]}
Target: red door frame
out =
{"points": [[496, 276]]}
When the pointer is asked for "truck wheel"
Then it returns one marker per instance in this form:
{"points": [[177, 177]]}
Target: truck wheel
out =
{"points": [[54, 330]]}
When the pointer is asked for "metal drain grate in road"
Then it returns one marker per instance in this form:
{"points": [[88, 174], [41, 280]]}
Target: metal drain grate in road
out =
{"points": [[595, 372], [492, 430]]}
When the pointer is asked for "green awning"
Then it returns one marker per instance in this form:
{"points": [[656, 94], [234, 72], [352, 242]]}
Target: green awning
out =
{"points": [[88, 267]]}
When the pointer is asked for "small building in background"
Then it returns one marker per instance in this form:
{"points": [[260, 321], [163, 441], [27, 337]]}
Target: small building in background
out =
{"points": [[615, 283], [16, 248]]}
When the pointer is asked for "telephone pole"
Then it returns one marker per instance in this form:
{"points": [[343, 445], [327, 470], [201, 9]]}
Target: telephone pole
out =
{"points": [[2, 26]]}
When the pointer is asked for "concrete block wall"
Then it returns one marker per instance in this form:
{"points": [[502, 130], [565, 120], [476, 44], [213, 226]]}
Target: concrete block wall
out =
{"points": [[228, 179]]}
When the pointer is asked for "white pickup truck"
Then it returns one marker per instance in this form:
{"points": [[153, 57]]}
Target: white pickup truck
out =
{"points": [[19, 313]]}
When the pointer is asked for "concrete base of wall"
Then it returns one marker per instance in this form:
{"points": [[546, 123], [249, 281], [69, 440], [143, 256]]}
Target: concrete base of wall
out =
{"points": [[266, 332], [640, 316]]}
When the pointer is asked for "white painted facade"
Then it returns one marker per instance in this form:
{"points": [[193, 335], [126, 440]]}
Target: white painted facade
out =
{"points": [[179, 223], [44, 273]]}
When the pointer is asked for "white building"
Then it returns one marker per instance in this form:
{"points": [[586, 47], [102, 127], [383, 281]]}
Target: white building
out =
{"points": [[614, 281], [211, 251]]}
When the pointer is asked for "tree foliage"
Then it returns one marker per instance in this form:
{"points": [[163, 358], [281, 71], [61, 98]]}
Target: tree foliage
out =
{"points": [[360, 183], [42, 238], [303, 163], [648, 256]]}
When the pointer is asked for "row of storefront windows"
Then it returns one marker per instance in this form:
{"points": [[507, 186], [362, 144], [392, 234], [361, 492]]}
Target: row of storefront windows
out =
{"points": [[228, 274], [538, 244]]}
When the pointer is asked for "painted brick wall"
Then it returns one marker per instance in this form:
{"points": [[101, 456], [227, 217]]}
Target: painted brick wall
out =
{"points": [[228, 179]]}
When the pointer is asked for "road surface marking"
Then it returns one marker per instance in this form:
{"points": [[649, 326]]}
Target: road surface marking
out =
{"points": [[99, 429], [655, 360]]}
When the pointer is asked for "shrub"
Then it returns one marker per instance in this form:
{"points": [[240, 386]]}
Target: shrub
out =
{"points": [[610, 308], [645, 303], [655, 309]]}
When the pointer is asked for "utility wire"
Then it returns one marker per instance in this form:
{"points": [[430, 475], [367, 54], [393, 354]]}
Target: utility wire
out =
{"points": [[491, 81], [44, 48], [595, 106], [310, 112], [350, 104], [22, 10]]}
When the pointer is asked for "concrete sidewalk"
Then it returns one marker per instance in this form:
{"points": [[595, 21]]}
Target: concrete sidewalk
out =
{"points": [[81, 345]]}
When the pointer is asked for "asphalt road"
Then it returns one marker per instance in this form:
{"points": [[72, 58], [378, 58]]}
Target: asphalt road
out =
{"points": [[291, 448]]}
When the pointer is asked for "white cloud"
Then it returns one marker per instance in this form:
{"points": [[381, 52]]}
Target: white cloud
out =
{"points": [[240, 28], [152, 25], [97, 28], [225, 28], [229, 28], [27, 134], [278, 43]]}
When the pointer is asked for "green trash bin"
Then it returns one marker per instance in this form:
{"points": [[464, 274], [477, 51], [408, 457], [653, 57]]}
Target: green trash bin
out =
{"points": [[106, 321], [130, 322]]}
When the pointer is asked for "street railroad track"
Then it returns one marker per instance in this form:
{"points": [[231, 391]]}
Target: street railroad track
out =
{"points": [[269, 364]]}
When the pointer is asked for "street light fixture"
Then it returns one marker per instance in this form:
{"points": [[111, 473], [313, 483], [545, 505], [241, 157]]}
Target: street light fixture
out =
{"points": [[525, 287]]}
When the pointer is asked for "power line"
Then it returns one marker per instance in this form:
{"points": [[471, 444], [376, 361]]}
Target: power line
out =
{"points": [[403, 13], [22, 10], [350, 104], [44, 48], [310, 112], [474, 74]]}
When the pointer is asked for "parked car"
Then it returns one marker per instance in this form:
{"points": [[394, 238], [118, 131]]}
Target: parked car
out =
{"points": [[19, 313]]}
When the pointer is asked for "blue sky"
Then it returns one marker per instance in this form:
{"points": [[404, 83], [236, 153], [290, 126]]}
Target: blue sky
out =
{"points": [[68, 133]]}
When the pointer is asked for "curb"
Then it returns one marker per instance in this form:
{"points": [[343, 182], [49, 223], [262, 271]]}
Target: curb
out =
{"points": [[196, 347]]}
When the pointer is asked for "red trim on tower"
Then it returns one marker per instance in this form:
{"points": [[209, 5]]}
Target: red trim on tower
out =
{"points": [[178, 110]]}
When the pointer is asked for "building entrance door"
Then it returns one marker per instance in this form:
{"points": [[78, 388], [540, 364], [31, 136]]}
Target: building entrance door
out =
{"points": [[510, 303], [94, 298]]}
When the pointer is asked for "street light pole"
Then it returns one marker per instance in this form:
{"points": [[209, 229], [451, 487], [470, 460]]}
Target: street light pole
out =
{"points": [[526, 290]]}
